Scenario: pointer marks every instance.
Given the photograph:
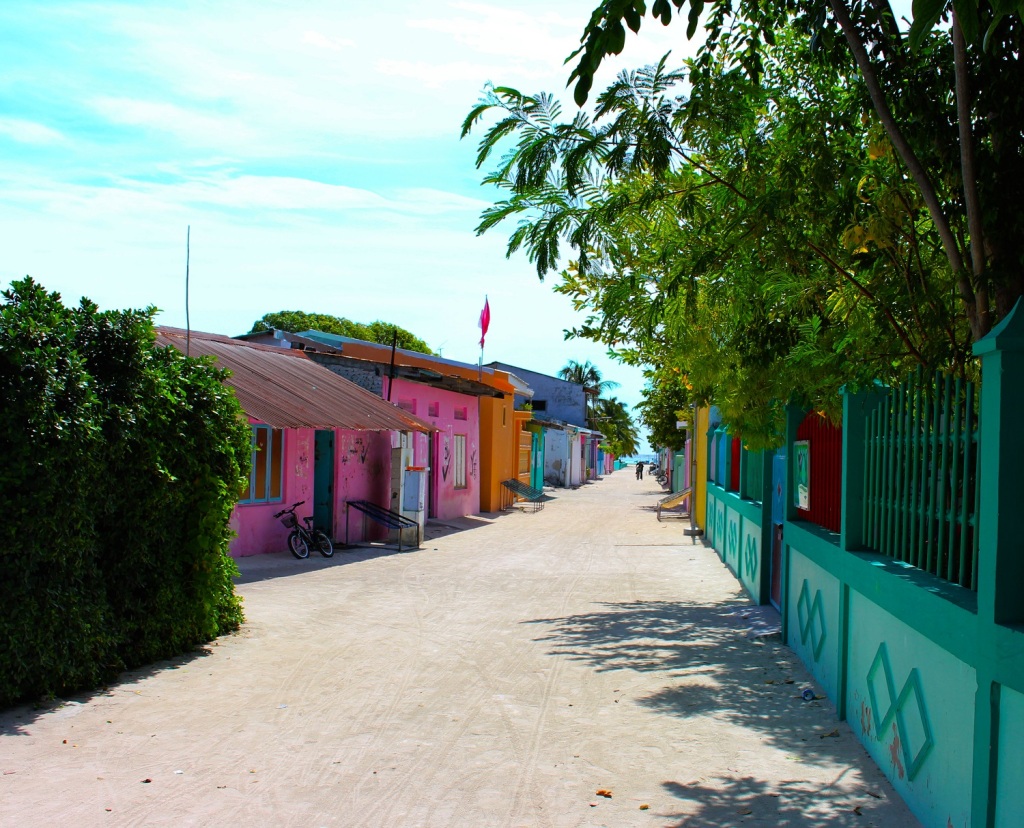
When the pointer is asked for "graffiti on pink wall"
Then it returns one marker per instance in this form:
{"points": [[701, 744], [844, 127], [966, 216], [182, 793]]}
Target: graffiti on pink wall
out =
{"points": [[357, 451]]}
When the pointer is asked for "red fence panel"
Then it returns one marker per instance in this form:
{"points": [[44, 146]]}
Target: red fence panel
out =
{"points": [[734, 472], [826, 472]]}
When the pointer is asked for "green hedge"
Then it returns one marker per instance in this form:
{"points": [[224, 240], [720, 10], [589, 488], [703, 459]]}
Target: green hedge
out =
{"points": [[120, 464]]}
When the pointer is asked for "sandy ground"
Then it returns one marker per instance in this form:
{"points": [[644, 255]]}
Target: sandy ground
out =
{"points": [[500, 676]]}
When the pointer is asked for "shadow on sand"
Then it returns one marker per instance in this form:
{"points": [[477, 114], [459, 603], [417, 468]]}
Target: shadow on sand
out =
{"points": [[283, 565], [794, 803], [716, 660], [16, 721]]}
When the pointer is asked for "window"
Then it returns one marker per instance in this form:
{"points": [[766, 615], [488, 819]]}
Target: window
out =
{"points": [[461, 413], [267, 465], [540, 405], [407, 405], [459, 460], [434, 409]]}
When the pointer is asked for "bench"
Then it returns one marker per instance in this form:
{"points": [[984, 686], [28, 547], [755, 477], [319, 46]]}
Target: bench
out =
{"points": [[675, 500], [535, 497], [384, 517]]}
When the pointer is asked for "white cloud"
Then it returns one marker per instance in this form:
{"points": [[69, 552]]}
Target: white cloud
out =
{"points": [[335, 44], [498, 30], [187, 124], [435, 75], [439, 200], [29, 132], [250, 196]]}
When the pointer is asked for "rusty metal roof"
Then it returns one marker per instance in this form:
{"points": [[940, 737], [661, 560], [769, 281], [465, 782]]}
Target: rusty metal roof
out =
{"points": [[495, 380], [286, 389]]}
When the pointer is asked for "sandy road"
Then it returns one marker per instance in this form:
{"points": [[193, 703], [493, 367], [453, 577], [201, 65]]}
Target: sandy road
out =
{"points": [[499, 677]]}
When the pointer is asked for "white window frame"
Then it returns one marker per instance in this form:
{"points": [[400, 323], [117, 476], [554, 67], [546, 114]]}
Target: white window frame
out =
{"points": [[459, 460]]}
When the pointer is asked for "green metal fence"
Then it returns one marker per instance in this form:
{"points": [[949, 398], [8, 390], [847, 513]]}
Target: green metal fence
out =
{"points": [[921, 477], [753, 473]]}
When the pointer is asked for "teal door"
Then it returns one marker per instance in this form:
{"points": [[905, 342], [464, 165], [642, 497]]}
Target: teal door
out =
{"points": [[323, 482], [537, 460]]}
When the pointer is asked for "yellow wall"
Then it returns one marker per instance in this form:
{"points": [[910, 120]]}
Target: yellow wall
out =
{"points": [[498, 451], [523, 459], [700, 485]]}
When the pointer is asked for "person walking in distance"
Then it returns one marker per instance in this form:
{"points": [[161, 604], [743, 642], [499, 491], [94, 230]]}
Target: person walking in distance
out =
{"points": [[640, 470]]}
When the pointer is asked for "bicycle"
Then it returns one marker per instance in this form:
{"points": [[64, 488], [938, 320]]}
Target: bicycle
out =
{"points": [[303, 538]]}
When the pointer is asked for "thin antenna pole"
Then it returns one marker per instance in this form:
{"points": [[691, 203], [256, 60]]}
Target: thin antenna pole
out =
{"points": [[188, 324], [391, 373]]}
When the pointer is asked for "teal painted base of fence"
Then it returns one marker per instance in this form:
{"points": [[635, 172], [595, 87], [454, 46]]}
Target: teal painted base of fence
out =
{"points": [[909, 700], [910, 616], [926, 685], [736, 530]]}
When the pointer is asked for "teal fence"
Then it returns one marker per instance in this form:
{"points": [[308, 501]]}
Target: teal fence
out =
{"points": [[723, 454], [753, 475], [908, 613], [921, 478]]}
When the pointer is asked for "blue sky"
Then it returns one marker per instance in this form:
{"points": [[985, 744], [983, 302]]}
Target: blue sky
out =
{"points": [[313, 148]]}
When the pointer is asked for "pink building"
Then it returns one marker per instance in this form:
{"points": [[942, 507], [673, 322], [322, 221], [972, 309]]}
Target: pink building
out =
{"points": [[445, 393], [316, 437], [451, 454]]}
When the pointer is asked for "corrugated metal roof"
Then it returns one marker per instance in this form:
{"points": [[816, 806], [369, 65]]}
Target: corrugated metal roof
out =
{"points": [[286, 389], [551, 422], [381, 354]]}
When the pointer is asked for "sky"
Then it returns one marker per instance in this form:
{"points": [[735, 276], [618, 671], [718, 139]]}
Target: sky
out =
{"points": [[313, 149]]}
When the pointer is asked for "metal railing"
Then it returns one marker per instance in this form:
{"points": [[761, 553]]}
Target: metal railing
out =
{"points": [[753, 475], [723, 448], [921, 477]]}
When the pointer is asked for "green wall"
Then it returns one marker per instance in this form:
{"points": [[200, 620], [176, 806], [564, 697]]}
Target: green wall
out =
{"points": [[929, 674], [813, 620], [1009, 810], [912, 705], [737, 535]]}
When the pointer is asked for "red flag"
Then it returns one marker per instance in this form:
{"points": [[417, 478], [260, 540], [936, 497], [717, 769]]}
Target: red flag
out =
{"points": [[485, 321]]}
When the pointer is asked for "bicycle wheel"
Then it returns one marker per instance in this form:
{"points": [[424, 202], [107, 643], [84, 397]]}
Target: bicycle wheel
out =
{"points": [[323, 543], [297, 544]]}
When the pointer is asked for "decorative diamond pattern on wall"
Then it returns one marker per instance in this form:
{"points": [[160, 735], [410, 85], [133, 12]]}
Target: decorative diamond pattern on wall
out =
{"points": [[811, 616], [734, 538], [750, 557], [909, 702]]}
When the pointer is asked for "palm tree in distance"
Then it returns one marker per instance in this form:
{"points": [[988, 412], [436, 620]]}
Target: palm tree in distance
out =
{"points": [[594, 385], [588, 375], [609, 416]]}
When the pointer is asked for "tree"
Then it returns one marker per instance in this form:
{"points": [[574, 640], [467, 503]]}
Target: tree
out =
{"points": [[588, 375], [666, 401], [746, 237], [611, 418], [380, 332], [122, 464], [961, 148]]}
